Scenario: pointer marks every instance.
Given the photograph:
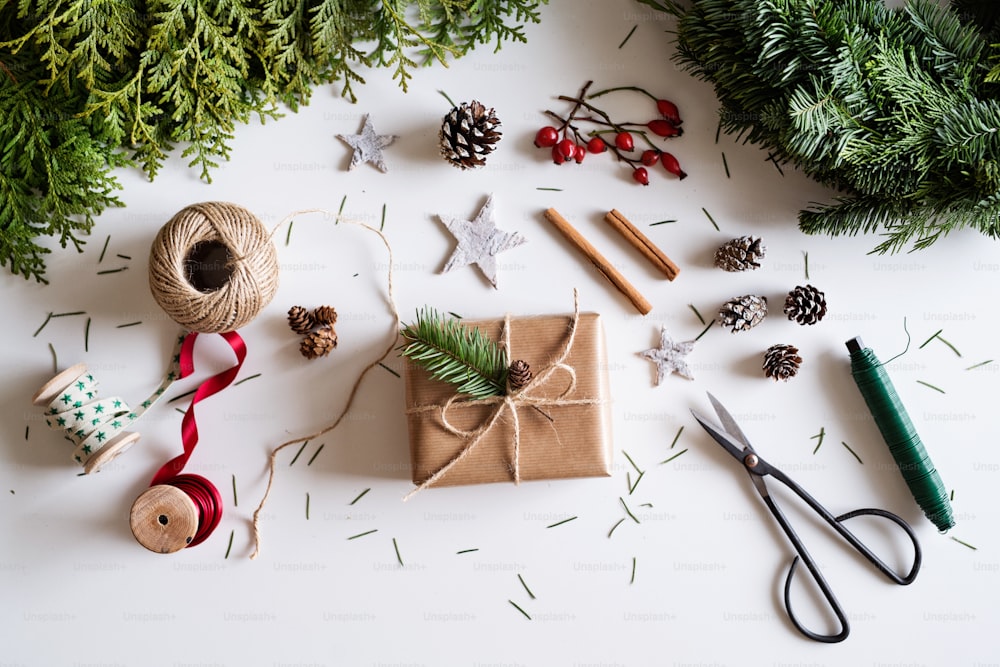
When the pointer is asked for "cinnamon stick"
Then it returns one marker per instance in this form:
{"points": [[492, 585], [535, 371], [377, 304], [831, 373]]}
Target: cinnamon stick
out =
{"points": [[602, 264], [639, 241]]}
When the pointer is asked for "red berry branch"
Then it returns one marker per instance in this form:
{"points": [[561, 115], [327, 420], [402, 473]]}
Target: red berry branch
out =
{"points": [[568, 142]]}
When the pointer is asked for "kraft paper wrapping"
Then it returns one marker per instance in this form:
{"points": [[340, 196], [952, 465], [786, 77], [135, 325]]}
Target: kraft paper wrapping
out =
{"points": [[575, 442]]}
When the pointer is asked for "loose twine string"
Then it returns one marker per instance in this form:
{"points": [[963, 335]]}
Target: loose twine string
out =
{"points": [[357, 383], [509, 402]]}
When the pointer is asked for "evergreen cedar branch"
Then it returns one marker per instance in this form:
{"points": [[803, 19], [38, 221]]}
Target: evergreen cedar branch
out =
{"points": [[89, 86], [896, 108]]}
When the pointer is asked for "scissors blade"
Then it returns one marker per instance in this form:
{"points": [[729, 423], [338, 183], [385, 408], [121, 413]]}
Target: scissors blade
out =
{"points": [[728, 423], [728, 442]]}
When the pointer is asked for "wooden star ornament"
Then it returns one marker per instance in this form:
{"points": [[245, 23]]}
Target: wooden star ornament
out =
{"points": [[479, 241], [368, 146], [669, 357]]}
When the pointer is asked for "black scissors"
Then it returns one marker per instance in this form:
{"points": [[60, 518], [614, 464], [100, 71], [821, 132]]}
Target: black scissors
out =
{"points": [[732, 439]]}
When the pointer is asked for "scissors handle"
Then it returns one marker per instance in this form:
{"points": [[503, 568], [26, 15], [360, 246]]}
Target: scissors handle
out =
{"points": [[803, 554], [836, 522]]}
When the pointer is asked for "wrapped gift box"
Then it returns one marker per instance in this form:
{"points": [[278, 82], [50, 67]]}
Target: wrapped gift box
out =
{"points": [[562, 435]]}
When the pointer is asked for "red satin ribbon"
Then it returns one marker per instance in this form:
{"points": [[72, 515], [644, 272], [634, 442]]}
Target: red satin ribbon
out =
{"points": [[213, 385]]}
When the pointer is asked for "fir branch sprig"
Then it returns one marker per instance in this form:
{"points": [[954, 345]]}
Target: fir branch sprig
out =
{"points": [[454, 353]]}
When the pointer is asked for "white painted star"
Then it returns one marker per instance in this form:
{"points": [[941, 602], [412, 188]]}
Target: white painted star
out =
{"points": [[669, 357], [368, 146], [479, 241]]}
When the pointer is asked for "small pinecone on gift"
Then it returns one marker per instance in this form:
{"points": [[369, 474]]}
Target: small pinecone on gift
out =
{"points": [[468, 134], [519, 375], [318, 343], [743, 312], [740, 254], [300, 320], [805, 305], [781, 362], [324, 315]]}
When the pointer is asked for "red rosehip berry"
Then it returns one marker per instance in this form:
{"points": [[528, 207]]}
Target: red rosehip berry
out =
{"points": [[664, 128], [624, 141], [669, 111], [596, 145], [579, 154], [567, 148], [557, 155], [671, 164], [546, 137], [650, 157], [641, 176]]}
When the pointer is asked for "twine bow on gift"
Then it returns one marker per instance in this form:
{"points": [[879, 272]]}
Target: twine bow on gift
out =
{"points": [[510, 402]]}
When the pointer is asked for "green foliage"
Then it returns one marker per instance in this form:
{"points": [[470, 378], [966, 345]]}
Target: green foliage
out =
{"points": [[891, 106], [452, 352], [88, 85]]}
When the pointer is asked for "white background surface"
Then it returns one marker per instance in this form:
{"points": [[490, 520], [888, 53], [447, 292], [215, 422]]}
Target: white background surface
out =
{"points": [[78, 590]]}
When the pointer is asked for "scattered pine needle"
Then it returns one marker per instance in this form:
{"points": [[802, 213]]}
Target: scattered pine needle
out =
{"points": [[230, 547], [964, 544], [55, 359], [367, 532], [398, 557], [632, 580], [298, 453], [104, 249], [236, 500], [381, 226], [805, 256], [662, 222], [107, 271], [559, 523], [129, 324], [519, 609], [389, 369], [288, 234], [631, 461], [445, 96], [725, 164], [86, 336], [246, 379], [465, 551], [705, 330], [981, 363], [620, 522], [673, 457], [697, 314], [710, 218], [935, 335], [628, 511], [820, 436], [677, 437], [75, 312], [360, 496], [628, 36], [631, 487], [344, 200], [530, 594], [307, 505], [550, 189], [852, 452], [39, 329], [929, 385], [313, 457]]}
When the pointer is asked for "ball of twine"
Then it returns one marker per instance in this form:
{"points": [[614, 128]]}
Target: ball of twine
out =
{"points": [[249, 271]]}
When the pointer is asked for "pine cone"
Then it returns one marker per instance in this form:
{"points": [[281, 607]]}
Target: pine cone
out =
{"points": [[318, 343], [468, 134], [781, 362], [519, 375], [740, 254], [743, 312], [324, 315], [300, 320], [805, 305]]}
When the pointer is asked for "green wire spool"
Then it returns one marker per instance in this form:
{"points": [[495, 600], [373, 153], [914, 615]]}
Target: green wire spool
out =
{"points": [[899, 434]]}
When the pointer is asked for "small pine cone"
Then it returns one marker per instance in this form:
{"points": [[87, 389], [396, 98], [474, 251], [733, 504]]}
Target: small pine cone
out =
{"points": [[468, 134], [740, 254], [318, 343], [743, 312], [300, 320], [805, 305], [324, 315], [781, 362], [519, 375]]}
